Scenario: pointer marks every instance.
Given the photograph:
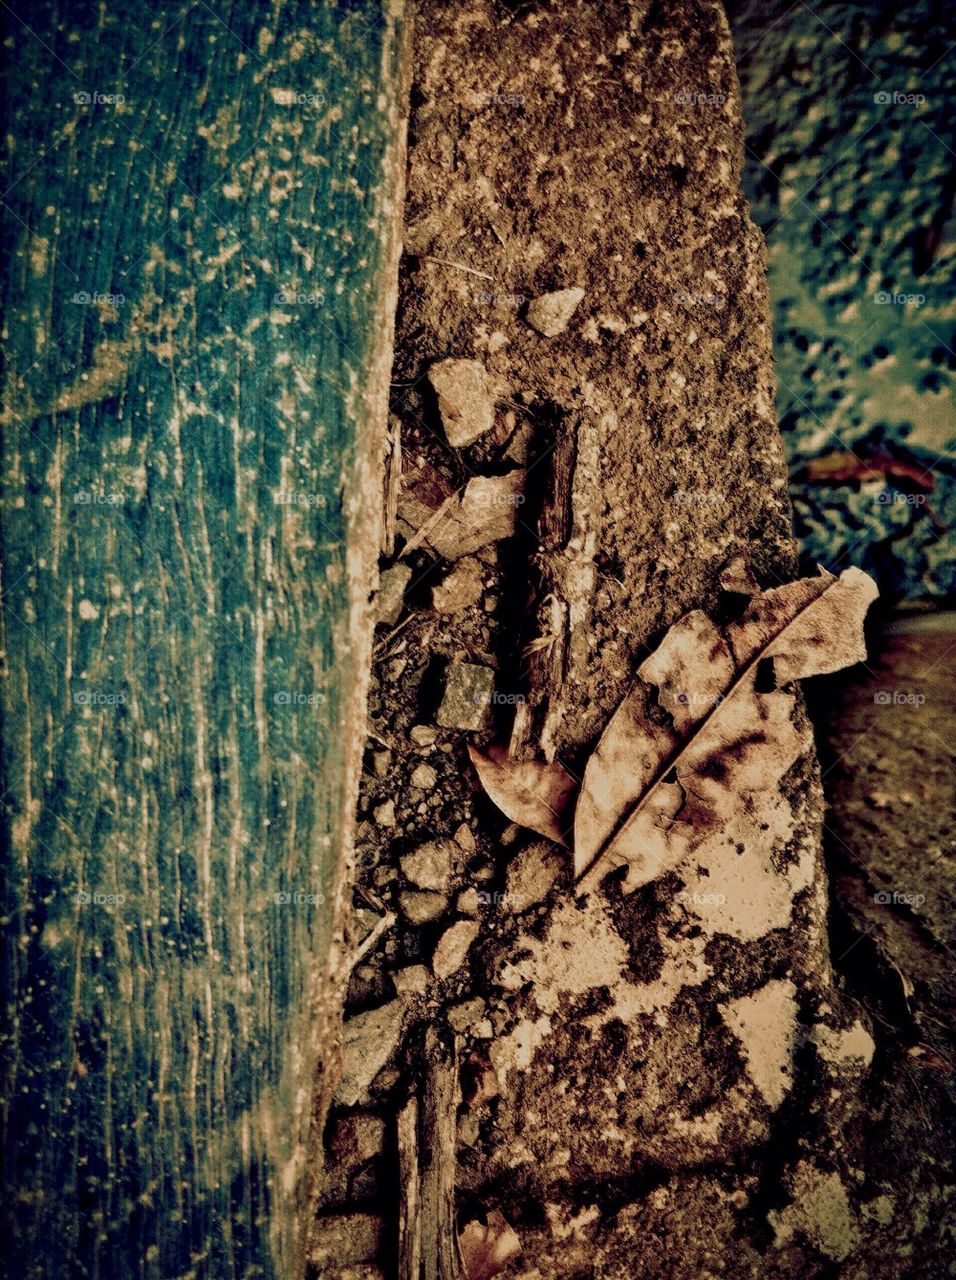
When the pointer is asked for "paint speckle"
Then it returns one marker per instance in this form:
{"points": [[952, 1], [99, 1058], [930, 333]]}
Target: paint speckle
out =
{"points": [[764, 1023]]}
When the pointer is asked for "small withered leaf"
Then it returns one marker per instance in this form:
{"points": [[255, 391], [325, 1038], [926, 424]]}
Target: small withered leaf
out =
{"points": [[529, 792], [487, 1248]]}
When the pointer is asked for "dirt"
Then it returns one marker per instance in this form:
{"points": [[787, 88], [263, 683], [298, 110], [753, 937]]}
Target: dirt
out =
{"points": [[666, 1095], [888, 758]]}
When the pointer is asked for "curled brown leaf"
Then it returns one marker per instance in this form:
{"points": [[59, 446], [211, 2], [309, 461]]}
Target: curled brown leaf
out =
{"points": [[529, 792], [487, 1248]]}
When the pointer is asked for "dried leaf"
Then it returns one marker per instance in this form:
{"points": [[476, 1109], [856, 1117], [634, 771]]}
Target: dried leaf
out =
{"points": [[707, 726], [531, 793], [652, 792], [487, 1249], [843, 466], [737, 578], [480, 1081]]}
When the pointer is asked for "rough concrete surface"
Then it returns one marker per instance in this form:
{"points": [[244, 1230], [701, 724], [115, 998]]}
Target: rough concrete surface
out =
{"points": [[674, 1083]]}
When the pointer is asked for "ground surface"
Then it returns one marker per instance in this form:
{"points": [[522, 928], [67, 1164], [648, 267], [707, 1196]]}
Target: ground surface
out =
{"points": [[618, 1148], [888, 756]]}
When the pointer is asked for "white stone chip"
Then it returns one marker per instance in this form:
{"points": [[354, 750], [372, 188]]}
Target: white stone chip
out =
{"points": [[465, 400], [453, 947], [550, 314]]}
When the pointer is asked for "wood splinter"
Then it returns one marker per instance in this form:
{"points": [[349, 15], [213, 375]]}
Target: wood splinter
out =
{"points": [[427, 1141], [562, 586]]}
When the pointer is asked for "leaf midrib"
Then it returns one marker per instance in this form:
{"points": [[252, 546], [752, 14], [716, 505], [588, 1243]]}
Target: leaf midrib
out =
{"points": [[673, 760]]}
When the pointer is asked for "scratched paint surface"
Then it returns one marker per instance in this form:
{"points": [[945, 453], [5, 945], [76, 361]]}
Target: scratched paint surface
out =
{"points": [[192, 229]]}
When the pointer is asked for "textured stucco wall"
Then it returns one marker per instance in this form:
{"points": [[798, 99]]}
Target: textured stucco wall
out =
{"points": [[849, 166]]}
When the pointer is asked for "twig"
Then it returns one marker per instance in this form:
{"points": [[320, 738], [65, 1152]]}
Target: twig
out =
{"points": [[393, 489], [421, 534], [409, 1206], [390, 636], [561, 573], [371, 938], [441, 1257], [459, 266]]}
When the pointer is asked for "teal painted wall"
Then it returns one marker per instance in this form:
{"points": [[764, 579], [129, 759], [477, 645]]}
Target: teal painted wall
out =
{"points": [[194, 216]]}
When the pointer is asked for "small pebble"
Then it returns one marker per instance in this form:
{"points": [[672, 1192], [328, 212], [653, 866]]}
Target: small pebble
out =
{"points": [[531, 875], [462, 1016], [465, 400], [384, 814], [391, 592], [468, 690], [453, 947], [424, 777], [459, 588], [468, 903], [469, 1129], [422, 907], [356, 1138], [465, 838], [412, 980], [369, 1040], [430, 866], [550, 314], [423, 735], [396, 669], [381, 762]]}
